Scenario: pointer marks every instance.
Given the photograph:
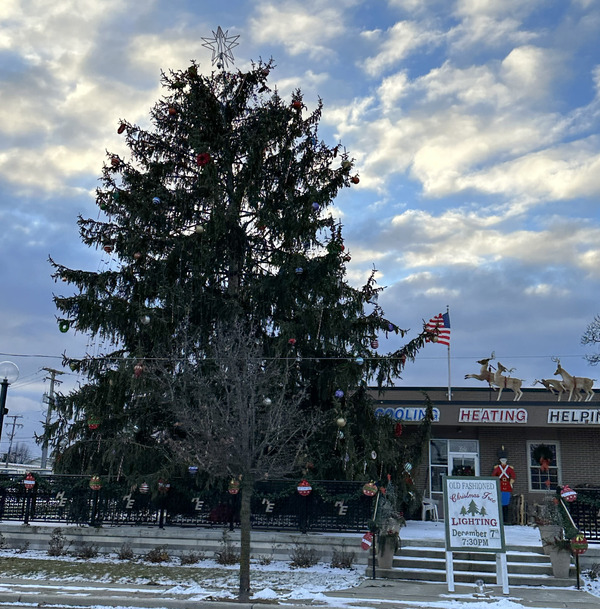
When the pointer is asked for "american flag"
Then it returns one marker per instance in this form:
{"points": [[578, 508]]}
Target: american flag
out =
{"points": [[440, 326]]}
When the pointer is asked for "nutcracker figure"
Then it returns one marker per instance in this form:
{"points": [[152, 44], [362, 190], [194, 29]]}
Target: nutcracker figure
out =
{"points": [[507, 477]]}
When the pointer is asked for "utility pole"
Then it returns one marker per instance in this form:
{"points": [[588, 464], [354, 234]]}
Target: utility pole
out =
{"points": [[51, 394], [14, 417]]}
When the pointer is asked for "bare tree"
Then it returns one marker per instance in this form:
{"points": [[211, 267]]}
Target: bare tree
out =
{"points": [[239, 416], [21, 453], [592, 337]]}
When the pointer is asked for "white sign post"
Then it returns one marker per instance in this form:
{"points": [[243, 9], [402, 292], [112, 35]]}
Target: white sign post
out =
{"points": [[473, 517]]}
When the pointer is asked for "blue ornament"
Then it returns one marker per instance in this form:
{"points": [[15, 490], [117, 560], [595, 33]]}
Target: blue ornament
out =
{"points": [[156, 201], [360, 361], [193, 469], [391, 327], [339, 393], [299, 270], [315, 206]]}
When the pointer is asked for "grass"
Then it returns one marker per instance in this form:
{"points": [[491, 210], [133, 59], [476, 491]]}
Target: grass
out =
{"points": [[107, 572]]}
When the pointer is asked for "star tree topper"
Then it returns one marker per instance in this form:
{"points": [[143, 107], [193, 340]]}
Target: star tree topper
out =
{"points": [[221, 46]]}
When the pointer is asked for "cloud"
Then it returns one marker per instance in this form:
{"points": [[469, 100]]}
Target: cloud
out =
{"points": [[398, 42], [301, 30]]}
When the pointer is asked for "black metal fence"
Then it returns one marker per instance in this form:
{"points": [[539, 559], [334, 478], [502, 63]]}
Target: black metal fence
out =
{"points": [[585, 512], [277, 504]]}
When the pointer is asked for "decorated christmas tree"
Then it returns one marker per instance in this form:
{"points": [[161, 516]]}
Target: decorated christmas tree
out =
{"points": [[220, 212]]}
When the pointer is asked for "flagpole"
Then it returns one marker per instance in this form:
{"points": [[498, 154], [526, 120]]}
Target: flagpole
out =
{"points": [[449, 377]]}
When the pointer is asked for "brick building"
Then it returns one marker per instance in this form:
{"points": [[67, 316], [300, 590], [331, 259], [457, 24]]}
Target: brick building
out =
{"points": [[472, 427]]}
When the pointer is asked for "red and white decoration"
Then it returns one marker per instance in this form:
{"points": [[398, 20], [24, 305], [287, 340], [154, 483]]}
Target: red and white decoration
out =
{"points": [[367, 541], [568, 494], [304, 488]]}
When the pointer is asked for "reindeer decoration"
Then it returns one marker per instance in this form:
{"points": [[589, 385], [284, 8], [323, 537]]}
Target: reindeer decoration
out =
{"points": [[507, 382], [575, 384], [485, 374], [552, 385]]}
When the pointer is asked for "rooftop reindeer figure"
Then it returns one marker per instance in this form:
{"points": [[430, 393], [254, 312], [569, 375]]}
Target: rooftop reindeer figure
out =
{"points": [[575, 384], [553, 386], [485, 374], [507, 382]]}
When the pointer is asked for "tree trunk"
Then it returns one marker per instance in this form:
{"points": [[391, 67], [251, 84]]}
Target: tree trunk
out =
{"points": [[246, 489]]}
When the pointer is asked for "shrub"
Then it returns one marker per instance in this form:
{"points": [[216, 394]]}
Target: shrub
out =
{"points": [[85, 551], [22, 547], [265, 560], [342, 558], [227, 555], [593, 573], [158, 554], [2, 542], [190, 558], [57, 543], [303, 556], [125, 552]]}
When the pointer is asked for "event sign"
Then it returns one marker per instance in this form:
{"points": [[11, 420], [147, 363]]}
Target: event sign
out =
{"points": [[473, 514]]}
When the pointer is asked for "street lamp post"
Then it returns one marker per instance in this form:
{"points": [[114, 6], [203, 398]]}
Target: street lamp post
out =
{"points": [[9, 373]]}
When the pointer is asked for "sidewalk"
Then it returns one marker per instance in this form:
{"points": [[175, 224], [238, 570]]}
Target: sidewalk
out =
{"points": [[408, 594], [371, 594]]}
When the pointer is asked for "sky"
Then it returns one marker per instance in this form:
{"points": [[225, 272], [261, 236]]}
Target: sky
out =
{"points": [[473, 125]]}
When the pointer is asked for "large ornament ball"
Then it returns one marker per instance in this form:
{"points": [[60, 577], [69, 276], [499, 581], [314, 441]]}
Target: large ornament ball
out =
{"points": [[144, 488], [391, 327], [355, 179], [172, 111], [360, 361], [339, 393], [199, 229], [267, 401], [374, 344], [408, 467], [292, 341], [137, 255], [115, 161], [299, 270], [156, 201], [315, 206], [341, 422], [145, 319]]}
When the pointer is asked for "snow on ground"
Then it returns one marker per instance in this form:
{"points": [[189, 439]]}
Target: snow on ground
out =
{"points": [[278, 581]]}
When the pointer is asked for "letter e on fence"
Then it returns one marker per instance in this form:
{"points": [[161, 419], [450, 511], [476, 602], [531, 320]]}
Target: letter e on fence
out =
{"points": [[270, 505], [343, 509], [62, 500], [199, 504]]}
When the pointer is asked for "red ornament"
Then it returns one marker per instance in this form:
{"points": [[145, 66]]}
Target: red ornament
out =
{"points": [[234, 487], [304, 488], [367, 541], [137, 370], [579, 544], [292, 341], [121, 128], [172, 111], [163, 486], [568, 494], [95, 483], [93, 424], [398, 430], [370, 489], [115, 161], [355, 179], [297, 105], [108, 248], [29, 481], [374, 344], [144, 488], [203, 159]]}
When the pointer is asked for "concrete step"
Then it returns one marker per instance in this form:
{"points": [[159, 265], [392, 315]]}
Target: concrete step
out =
{"points": [[420, 562]]}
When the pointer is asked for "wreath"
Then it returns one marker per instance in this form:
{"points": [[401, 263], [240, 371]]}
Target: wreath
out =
{"points": [[542, 454]]}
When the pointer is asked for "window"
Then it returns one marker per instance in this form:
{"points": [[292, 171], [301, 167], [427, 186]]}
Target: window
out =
{"points": [[544, 459]]}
